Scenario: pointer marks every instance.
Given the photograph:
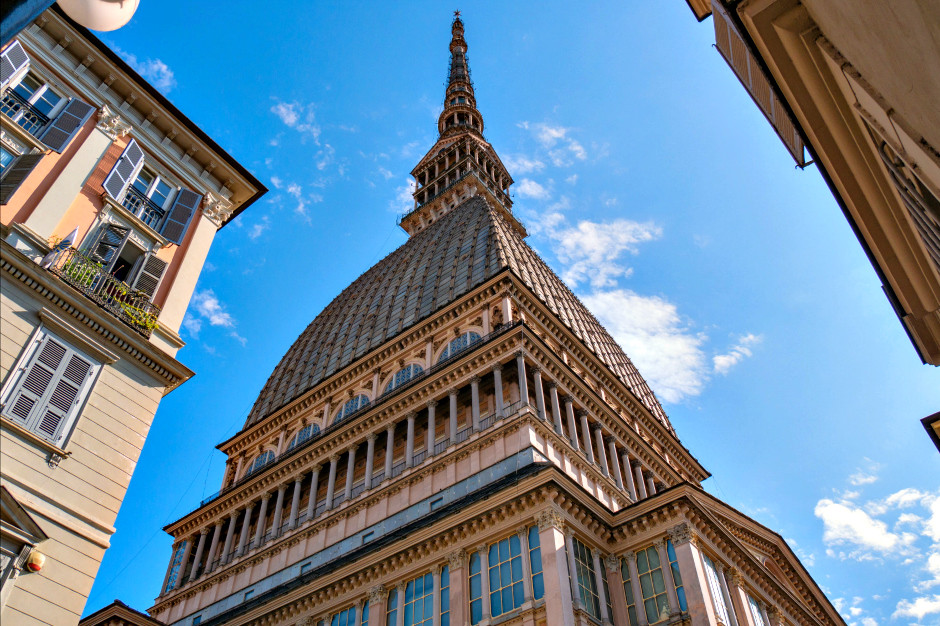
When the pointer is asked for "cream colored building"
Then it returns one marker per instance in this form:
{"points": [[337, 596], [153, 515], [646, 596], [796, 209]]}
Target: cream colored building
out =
{"points": [[90, 324], [856, 85], [455, 440]]}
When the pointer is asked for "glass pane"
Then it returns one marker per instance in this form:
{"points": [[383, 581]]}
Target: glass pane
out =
{"points": [[476, 611], [646, 586], [505, 575], [160, 193], [650, 606], [409, 592], [475, 589], [496, 604], [518, 595], [493, 555], [514, 545], [683, 604], [535, 561], [475, 563], [659, 584], [506, 597], [516, 568], [27, 87], [144, 179], [533, 538], [641, 563], [538, 587], [653, 556], [47, 101], [632, 613]]}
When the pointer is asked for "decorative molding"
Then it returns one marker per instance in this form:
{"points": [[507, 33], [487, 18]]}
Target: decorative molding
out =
{"points": [[457, 559], [551, 518], [681, 534], [612, 563], [111, 124], [217, 209], [377, 594]]}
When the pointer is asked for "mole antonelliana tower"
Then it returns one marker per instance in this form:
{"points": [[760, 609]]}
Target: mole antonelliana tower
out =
{"points": [[455, 439]]}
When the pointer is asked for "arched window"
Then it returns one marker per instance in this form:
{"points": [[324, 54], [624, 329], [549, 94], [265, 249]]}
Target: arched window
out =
{"points": [[352, 406], [459, 344], [263, 459], [305, 433], [403, 375]]}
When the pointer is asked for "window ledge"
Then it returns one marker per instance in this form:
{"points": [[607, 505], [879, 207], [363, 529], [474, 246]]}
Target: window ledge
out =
{"points": [[56, 454], [20, 135], [135, 221]]}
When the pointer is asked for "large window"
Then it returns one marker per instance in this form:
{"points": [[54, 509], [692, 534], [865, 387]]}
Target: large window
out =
{"points": [[391, 611], [49, 387], [458, 345], [628, 591], [149, 196], [476, 588], [535, 563], [346, 617], [32, 103], [652, 584], [445, 596], [358, 402], [402, 376], [587, 582], [260, 461], [756, 613], [303, 435], [419, 601], [676, 576], [505, 576], [175, 566], [714, 586]]}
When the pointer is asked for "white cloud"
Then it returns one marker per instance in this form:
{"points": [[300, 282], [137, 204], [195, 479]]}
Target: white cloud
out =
{"points": [[324, 157], [528, 188], [845, 523], [404, 199], [386, 174], [520, 165], [300, 117], [154, 71], [209, 307], [259, 227], [192, 325], [740, 351], [650, 330], [919, 608], [557, 141], [277, 182], [572, 180]]}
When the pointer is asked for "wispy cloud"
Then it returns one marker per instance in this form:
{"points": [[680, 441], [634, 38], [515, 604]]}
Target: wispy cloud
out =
{"points": [[740, 351], [155, 71], [561, 147], [520, 165], [207, 309], [259, 227], [300, 117], [528, 188], [404, 199]]}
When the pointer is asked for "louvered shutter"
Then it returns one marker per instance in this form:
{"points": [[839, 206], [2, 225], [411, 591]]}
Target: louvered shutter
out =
{"points": [[122, 174], [180, 214], [13, 64], [26, 399], [60, 132], [15, 173], [150, 274], [109, 241]]}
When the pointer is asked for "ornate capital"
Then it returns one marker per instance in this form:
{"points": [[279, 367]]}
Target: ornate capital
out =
{"points": [[334, 458], [498, 368], [520, 354], [432, 404], [457, 559], [552, 385], [111, 124], [475, 380], [774, 616], [306, 621], [630, 556], [612, 563], [660, 544], [377, 594], [551, 518], [734, 577], [537, 370], [452, 392], [681, 534], [371, 437], [217, 209]]}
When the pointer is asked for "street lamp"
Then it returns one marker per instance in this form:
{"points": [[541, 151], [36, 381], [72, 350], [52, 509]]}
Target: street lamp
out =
{"points": [[101, 15]]}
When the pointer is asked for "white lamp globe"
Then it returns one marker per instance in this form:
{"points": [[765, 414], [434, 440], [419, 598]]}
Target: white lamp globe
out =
{"points": [[101, 15]]}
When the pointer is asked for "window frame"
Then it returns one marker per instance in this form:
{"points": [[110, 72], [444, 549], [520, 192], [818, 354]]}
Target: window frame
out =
{"points": [[448, 352], [649, 574], [584, 564], [349, 408], [44, 85], [400, 377]]}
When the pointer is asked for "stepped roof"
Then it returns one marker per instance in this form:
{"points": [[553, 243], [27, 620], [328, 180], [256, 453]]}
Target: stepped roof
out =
{"points": [[455, 254]]}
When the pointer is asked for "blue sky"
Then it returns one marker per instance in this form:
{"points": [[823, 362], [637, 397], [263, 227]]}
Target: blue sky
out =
{"points": [[646, 177]]}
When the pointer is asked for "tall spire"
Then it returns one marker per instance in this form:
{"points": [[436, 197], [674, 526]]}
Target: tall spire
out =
{"points": [[460, 106], [461, 163]]}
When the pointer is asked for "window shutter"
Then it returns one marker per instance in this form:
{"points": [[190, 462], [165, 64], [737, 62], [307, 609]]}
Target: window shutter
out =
{"points": [[14, 64], [16, 172], [40, 371], [110, 239], [60, 132], [181, 213], [150, 274], [66, 390], [122, 174]]}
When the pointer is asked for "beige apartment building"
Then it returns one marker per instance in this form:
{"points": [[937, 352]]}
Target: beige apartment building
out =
{"points": [[109, 201], [456, 440], [855, 84]]}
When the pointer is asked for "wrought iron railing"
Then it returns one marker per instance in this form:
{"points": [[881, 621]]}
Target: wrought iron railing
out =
{"points": [[17, 108], [143, 207], [134, 308]]}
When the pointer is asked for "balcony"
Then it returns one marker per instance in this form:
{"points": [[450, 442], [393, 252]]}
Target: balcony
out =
{"points": [[23, 113], [131, 307], [143, 207]]}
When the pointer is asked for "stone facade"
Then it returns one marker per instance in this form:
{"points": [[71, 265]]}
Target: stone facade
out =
{"points": [[456, 440]]}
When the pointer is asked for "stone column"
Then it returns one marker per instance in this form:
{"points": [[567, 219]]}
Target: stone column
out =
{"points": [[486, 319], [216, 535], [326, 413], [246, 528], [483, 551], [375, 383], [572, 429], [314, 486], [726, 594], [763, 612], [295, 504], [637, 591], [452, 395], [691, 569], [586, 436], [238, 466], [739, 602], [183, 563], [459, 588], [558, 598], [400, 615], [280, 441], [498, 383], [628, 476], [229, 537], [667, 577], [601, 452], [618, 599], [259, 528], [370, 459], [539, 392], [410, 441], [527, 595], [556, 407], [615, 463], [601, 593], [378, 607], [640, 480], [331, 481], [432, 428], [576, 599], [169, 567], [650, 485], [507, 309], [389, 450], [278, 511], [523, 383], [350, 471], [436, 596], [475, 402], [197, 562]]}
